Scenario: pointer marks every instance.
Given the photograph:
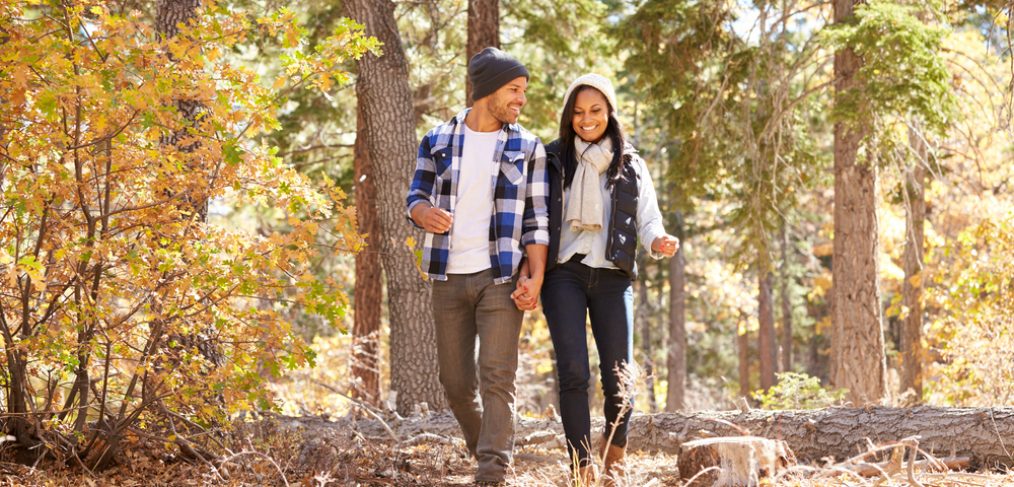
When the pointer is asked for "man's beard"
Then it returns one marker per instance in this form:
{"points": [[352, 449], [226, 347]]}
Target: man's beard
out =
{"points": [[503, 112]]}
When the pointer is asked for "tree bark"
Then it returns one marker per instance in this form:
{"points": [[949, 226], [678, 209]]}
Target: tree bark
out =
{"points": [[911, 290], [857, 344], [980, 433], [842, 432], [786, 302], [169, 15], [368, 292], [483, 32], [676, 357], [384, 92], [767, 348]]}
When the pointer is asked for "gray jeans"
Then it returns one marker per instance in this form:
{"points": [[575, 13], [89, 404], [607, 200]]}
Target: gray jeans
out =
{"points": [[466, 306]]}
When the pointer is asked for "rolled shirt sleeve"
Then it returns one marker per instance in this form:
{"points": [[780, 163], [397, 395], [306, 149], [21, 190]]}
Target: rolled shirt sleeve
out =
{"points": [[535, 227], [421, 189]]}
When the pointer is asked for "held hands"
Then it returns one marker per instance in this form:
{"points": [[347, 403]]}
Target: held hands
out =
{"points": [[666, 245], [433, 219], [526, 296]]}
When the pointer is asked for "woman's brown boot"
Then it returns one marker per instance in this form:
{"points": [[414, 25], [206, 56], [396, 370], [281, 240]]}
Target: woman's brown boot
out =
{"points": [[614, 464]]}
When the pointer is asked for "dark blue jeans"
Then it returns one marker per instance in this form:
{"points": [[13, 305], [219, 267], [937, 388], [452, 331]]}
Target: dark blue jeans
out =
{"points": [[571, 292]]}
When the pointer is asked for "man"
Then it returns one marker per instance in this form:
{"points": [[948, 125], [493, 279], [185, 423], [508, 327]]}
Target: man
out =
{"points": [[480, 191]]}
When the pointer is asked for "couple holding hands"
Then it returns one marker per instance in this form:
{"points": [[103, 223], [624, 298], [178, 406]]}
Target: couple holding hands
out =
{"points": [[508, 221]]}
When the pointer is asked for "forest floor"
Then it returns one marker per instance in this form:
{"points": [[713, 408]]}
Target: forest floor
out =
{"points": [[280, 456]]}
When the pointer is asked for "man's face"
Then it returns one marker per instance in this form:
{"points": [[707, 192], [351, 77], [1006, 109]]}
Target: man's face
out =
{"points": [[505, 103]]}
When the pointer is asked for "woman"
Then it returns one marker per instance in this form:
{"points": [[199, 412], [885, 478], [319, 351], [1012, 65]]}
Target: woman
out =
{"points": [[601, 202]]}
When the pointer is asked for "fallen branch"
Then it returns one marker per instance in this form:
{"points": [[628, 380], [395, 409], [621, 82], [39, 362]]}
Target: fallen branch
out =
{"points": [[950, 463]]}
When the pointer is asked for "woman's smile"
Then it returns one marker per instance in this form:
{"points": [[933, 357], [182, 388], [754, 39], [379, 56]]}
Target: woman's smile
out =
{"points": [[591, 114]]}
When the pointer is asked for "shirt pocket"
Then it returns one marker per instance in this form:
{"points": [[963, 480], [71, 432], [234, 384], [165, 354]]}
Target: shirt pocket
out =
{"points": [[512, 166], [442, 167], [441, 155]]}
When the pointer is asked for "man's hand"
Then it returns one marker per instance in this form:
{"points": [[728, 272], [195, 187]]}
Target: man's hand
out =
{"points": [[666, 245], [432, 219]]}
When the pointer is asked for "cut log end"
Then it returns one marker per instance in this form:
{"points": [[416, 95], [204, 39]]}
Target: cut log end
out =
{"points": [[740, 460]]}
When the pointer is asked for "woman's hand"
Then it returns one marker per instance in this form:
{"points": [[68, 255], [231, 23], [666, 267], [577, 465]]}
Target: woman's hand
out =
{"points": [[666, 245]]}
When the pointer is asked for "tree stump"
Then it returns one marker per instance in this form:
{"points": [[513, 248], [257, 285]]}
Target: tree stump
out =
{"points": [[739, 460]]}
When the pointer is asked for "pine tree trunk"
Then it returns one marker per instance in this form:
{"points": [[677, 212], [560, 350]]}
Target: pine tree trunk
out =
{"points": [[171, 13], [767, 348], [857, 344], [643, 313], [786, 302], [676, 357], [368, 291], [483, 32], [743, 349], [169, 16], [384, 92], [911, 291]]}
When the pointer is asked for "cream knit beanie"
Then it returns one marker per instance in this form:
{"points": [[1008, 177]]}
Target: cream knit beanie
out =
{"points": [[598, 82]]}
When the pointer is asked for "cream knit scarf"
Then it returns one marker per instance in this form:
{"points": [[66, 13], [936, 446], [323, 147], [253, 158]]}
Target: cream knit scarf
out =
{"points": [[584, 210]]}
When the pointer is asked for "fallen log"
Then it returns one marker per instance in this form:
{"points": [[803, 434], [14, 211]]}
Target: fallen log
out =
{"points": [[984, 435]]}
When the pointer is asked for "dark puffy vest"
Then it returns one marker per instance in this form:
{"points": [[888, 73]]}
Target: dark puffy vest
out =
{"points": [[622, 241], [622, 245]]}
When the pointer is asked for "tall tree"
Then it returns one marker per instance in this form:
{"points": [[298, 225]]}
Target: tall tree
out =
{"points": [[643, 312], [368, 288], [483, 32], [915, 218], [767, 349], [169, 16], [858, 360], [786, 302], [383, 90], [743, 349], [676, 356], [888, 69]]}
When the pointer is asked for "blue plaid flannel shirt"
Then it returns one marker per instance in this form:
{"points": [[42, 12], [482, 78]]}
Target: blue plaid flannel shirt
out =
{"points": [[520, 194]]}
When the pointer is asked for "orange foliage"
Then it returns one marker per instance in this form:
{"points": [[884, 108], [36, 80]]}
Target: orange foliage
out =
{"points": [[119, 307]]}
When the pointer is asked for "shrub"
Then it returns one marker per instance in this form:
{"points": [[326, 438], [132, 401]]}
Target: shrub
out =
{"points": [[798, 391], [121, 308]]}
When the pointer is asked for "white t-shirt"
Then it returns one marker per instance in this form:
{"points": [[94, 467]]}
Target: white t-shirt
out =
{"points": [[469, 250]]}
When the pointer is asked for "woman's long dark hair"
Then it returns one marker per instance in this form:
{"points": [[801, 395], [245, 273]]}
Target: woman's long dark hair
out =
{"points": [[567, 134]]}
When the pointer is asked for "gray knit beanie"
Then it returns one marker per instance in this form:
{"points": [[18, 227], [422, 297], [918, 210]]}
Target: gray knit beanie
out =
{"points": [[492, 68]]}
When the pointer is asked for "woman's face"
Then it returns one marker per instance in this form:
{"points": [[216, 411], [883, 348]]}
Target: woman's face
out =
{"points": [[591, 114]]}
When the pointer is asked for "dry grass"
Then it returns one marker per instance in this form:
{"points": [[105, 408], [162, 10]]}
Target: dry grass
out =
{"points": [[353, 460]]}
